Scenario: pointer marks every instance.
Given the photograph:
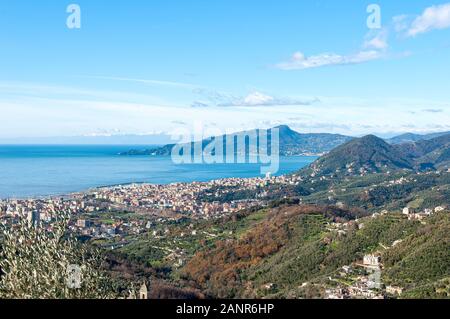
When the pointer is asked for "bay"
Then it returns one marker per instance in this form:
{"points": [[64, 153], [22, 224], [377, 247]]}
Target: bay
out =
{"points": [[47, 170]]}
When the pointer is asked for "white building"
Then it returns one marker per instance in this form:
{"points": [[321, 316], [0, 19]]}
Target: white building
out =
{"points": [[439, 209], [393, 290], [372, 260]]}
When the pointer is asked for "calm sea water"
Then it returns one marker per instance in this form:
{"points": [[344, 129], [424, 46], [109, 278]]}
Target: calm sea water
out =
{"points": [[35, 171]]}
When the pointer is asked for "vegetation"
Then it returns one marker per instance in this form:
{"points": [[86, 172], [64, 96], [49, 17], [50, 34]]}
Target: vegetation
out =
{"points": [[294, 245], [35, 263], [290, 142], [422, 259]]}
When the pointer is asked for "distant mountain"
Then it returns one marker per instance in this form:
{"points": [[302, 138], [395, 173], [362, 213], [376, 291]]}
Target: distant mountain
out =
{"points": [[430, 153], [291, 142], [411, 137], [294, 143], [371, 154], [368, 154]]}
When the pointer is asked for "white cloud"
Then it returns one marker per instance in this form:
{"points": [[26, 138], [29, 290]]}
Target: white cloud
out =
{"points": [[434, 17], [300, 62], [57, 116], [258, 98], [376, 44], [401, 22], [377, 41], [254, 99]]}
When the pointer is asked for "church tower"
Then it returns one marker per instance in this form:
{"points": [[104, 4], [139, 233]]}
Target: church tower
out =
{"points": [[143, 292]]}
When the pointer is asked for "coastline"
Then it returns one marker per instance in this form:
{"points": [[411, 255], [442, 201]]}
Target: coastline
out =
{"points": [[61, 171], [71, 195]]}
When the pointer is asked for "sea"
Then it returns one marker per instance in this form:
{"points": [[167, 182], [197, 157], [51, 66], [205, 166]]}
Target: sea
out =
{"points": [[35, 171]]}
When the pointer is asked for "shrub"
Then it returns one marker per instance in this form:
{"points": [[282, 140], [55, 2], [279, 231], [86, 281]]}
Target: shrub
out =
{"points": [[35, 262]]}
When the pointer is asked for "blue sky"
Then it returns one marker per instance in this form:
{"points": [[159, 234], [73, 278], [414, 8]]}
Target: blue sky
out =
{"points": [[142, 67]]}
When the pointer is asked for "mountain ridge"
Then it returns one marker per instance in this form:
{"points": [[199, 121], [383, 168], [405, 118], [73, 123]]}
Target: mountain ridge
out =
{"points": [[412, 137], [291, 142], [371, 154]]}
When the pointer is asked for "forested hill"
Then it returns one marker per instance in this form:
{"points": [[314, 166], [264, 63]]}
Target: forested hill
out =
{"points": [[298, 252], [291, 142], [411, 137], [371, 154]]}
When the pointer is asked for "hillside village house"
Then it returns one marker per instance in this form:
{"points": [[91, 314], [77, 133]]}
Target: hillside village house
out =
{"points": [[372, 260], [143, 293], [394, 290]]}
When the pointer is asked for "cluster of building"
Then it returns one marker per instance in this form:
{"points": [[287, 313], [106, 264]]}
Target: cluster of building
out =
{"points": [[173, 198], [413, 214], [187, 198], [96, 228], [365, 281], [152, 204], [42, 210]]}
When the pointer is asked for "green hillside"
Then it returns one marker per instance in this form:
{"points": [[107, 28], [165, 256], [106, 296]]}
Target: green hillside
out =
{"points": [[293, 252]]}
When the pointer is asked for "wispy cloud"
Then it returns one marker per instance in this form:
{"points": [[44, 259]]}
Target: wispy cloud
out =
{"points": [[377, 40], [146, 81], [31, 116], [373, 48], [401, 22], [301, 62], [179, 122], [433, 18], [254, 99], [17, 90], [433, 110]]}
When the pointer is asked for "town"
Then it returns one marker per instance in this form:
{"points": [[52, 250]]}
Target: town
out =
{"points": [[121, 210]]}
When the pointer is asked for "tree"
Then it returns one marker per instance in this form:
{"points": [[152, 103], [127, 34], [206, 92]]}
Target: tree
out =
{"points": [[36, 263]]}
